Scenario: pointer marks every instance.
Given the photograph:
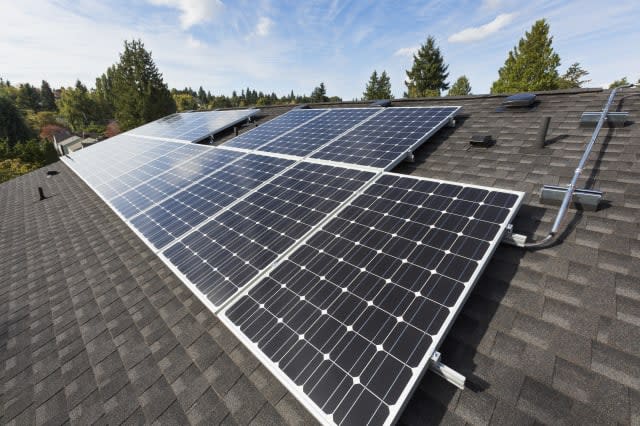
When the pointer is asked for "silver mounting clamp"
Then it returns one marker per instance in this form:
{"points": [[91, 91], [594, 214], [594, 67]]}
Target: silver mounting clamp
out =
{"points": [[447, 373]]}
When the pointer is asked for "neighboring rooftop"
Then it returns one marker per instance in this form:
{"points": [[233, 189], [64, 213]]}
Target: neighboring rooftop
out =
{"points": [[95, 328]]}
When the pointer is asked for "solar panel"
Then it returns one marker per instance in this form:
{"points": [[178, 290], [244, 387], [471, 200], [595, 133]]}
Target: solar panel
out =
{"points": [[186, 208], [312, 135], [169, 181], [192, 126], [225, 253], [272, 129], [387, 137], [350, 319]]}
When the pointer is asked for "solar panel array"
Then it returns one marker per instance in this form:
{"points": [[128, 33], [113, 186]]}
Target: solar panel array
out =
{"points": [[351, 318], [340, 277], [192, 126]]}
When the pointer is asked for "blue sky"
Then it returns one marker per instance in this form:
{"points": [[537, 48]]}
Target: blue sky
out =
{"points": [[284, 45]]}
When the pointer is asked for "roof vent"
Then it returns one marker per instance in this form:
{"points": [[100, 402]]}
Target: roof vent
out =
{"points": [[519, 100], [302, 106], [384, 103], [481, 140]]}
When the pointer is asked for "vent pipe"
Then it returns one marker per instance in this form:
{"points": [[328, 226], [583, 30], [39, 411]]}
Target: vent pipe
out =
{"points": [[542, 132]]}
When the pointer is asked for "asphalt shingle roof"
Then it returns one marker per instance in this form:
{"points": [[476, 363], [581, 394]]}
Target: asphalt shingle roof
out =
{"points": [[94, 328]]}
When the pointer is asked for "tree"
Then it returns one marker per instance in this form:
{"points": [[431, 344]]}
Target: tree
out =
{"points": [[617, 83], [13, 126], [428, 73], [77, 107], [461, 87], [530, 66], [47, 99], [378, 87], [571, 79], [185, 102], [139, 92], [319, 94], [103, 94], [28, 97]]}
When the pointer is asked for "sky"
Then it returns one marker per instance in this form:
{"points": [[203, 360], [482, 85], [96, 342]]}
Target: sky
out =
{"points": [[280, 46]]}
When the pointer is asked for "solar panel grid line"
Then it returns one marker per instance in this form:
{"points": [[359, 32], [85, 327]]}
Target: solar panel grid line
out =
{"points": [[302, 129], [257, 152], [189, 154], [237, 201], [295, 246], [387, 138], [300, 390], [185, 210], [158, 138], [186, 188], [245, 140]]}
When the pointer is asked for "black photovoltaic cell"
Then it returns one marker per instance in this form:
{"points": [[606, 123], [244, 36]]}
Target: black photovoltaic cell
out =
{"points": [[274, 128], [186, 209], [311, 136], [169, 181], [225, 253], [192, 126], [386, 137], [353, 313]]}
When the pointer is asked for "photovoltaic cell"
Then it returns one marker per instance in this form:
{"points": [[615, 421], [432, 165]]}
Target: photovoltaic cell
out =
{"points": [[387, 137], [272, 129], [312, 135], [192, 126], [352, 316], [225, 253], [187, 208]]}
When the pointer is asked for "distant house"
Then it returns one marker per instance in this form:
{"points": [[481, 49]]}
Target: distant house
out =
{"points": [[72, 144]]}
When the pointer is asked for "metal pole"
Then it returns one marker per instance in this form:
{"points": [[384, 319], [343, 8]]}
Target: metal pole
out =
{"points": [[572, 186]]}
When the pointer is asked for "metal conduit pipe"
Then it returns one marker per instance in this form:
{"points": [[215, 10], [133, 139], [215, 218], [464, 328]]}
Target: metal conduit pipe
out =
{"points": [[572, 186]]}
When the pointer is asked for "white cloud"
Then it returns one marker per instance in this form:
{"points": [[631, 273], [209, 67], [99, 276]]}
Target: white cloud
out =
{"points": [[406, 51], [194, 43], [264, 26], [193, 12], [478, 33]]}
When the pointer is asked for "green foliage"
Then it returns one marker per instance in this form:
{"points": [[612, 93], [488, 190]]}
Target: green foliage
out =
{"points": [[24, 157], [530, 66], [13, 126], [28, 97], [428, 73], [378, 87], [139, 92], [617, 83], [47, 99], [572, 78], [461, 87], [14, 167], [77, 107], [185, 102], [319, 94], [103, 94]]}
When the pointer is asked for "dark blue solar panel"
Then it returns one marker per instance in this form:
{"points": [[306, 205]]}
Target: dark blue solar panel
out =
{"points": [[192, 126], [171, 181], [185, 209], [223, 255], [312, 135], [274, 128], [387, 137], [353, 315]]}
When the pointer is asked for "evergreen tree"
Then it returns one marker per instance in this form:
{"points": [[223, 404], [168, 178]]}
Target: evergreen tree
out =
{"points": [[532, 65], [139, 92], [28, 97], [378, 87], [77, 107], [13, 126], [461, 87], [104, 95], [572, 78], [428, 73], [47, 99], [319, 94]]}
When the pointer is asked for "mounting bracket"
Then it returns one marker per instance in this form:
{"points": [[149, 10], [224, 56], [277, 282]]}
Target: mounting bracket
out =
{"points": [[512, 239], [447, 373]]}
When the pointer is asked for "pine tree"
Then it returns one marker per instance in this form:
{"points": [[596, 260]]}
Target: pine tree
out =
{"points": [[13, 126], [28, 97], [461, 87], [530, 66], [47, 99], [572, 78], [378, 87], [617, 83], [319, 94], [428, 73], [140, 94]]}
